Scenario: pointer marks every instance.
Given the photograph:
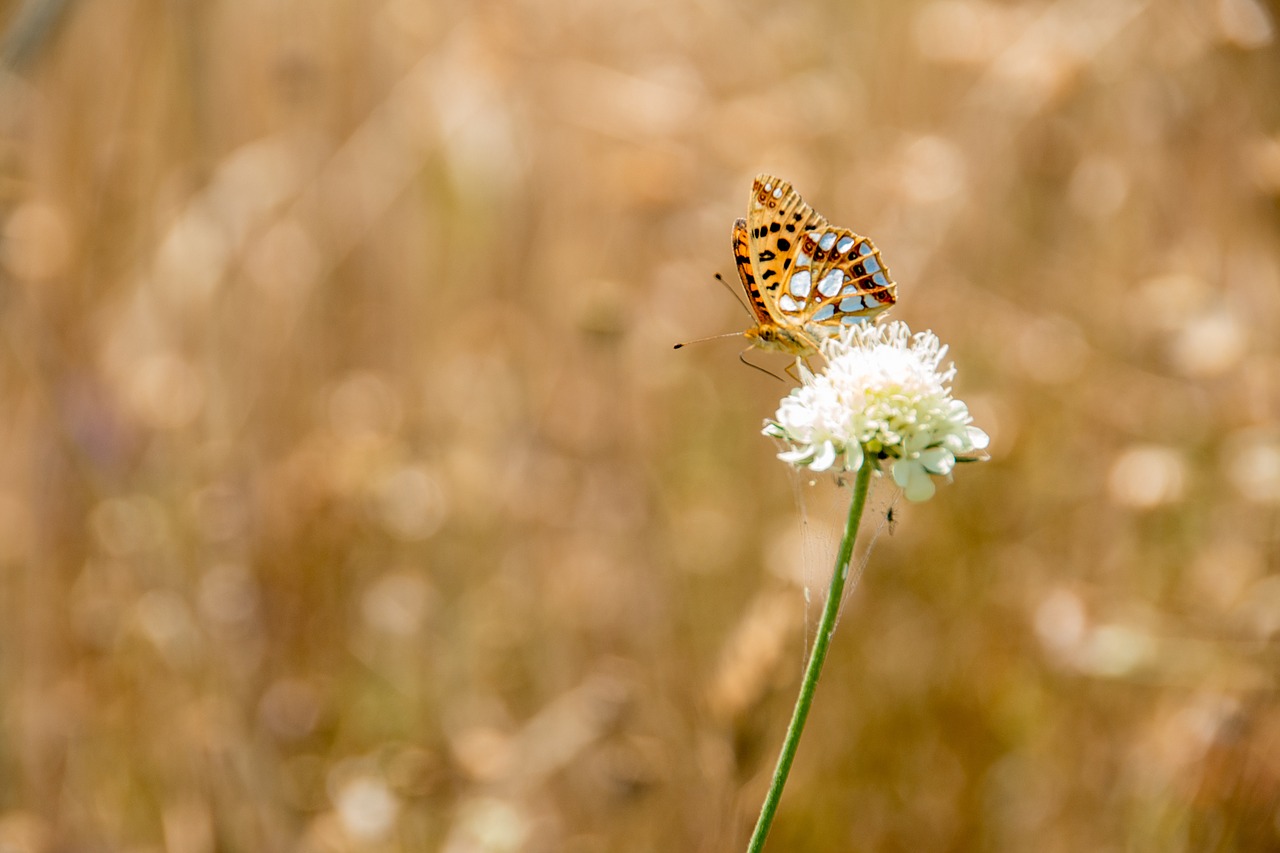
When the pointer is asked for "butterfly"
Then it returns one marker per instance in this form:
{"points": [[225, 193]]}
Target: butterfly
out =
{"points": [[804, 277]]}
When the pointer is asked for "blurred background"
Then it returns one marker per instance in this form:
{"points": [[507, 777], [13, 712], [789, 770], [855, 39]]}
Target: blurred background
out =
{"points": [[352, 497]]}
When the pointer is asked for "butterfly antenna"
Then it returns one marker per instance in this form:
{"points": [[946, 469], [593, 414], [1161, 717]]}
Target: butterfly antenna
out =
{"points": [[708, 338], [736, 295], [742, 357]]}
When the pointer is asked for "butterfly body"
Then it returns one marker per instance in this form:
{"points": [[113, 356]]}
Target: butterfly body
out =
{"points": [[804, 278]]}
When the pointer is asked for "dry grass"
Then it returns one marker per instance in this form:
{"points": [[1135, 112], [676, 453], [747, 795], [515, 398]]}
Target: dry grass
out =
{"points": [[352, 497]]}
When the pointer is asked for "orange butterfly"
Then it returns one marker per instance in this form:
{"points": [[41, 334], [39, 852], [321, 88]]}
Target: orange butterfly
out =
{"points": [[803, 276]]}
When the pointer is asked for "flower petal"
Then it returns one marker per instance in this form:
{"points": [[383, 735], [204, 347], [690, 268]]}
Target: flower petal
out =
{"points": [[824, 458], [919, 485], [853, 457], [938, 460], [798, 456]]}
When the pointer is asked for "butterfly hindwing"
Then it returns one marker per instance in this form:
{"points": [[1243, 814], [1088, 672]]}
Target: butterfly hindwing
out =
{"points": [[742, 255], [850, 282]]}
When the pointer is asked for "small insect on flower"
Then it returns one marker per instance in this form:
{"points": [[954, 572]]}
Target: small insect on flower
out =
{"points": [[884, 396]]}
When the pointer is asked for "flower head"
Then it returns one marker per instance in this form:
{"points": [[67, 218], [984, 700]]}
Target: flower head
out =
{"points": [[883, 396]]}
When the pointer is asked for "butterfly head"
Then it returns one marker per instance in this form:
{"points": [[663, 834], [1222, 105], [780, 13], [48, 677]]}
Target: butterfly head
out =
{"points": [[773, 338]]}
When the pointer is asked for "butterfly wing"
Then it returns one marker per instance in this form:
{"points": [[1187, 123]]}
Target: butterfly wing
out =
{"points": [[777, 220], [811, 275], [742, 255], [850, 283]]}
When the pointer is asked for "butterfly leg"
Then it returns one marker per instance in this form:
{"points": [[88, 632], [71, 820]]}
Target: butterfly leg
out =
{"points": [[742, 357], [793, 369]]}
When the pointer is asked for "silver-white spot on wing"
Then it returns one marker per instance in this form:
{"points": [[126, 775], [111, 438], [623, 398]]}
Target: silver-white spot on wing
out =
{"points": [[831, 283], [801, 284]]}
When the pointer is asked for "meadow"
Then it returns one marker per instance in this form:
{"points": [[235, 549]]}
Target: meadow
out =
{"points": [[353, 498]]}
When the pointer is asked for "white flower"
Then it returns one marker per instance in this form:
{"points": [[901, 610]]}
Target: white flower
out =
{"points": [[883, 396]]}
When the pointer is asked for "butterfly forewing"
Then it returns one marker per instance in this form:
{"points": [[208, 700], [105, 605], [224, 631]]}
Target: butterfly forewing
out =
{"points": [[777, 219]]}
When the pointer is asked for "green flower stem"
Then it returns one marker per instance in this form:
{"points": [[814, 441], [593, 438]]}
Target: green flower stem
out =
{"points": [[810, 683]]}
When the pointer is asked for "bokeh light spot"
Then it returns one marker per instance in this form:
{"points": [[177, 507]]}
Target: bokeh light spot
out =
{"points": [[1147, 476], [367, 808], [165, 391], [1253, 466], [397, 603], [1060, 620], [411, 503], [228, 594], [164, 618], [1170, 301], [488, 824], [1116, 650], [193, 256], [290, 708], [1209, 346]]}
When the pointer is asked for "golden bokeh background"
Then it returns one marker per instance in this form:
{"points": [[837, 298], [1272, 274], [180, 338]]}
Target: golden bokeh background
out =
{"points": [[352, 497]]}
